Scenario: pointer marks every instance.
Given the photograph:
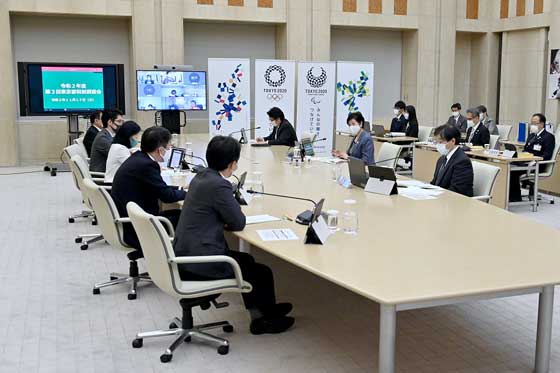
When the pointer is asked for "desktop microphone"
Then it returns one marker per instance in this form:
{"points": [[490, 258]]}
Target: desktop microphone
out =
{"points": [[195, 168], [202, 159], [304, 218], [242, 140], [385, 160]]}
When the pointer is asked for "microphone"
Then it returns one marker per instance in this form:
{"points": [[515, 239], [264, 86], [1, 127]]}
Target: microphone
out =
{"points": [[242, 140], [309, 144], [385, 160], [195, 168], [304, 218], [202, 159]]}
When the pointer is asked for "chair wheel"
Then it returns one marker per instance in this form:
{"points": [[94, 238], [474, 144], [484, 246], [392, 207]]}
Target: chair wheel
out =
{"points": [[53, 172], [188, 339], [228, 329], [173, 326], [131, 296], [71, 220], [165, 358], [78, 240], [552, 202], [137, 343], [223, 350], [96, 291], [84, 247], [46, 168], [112, 278], [94, 222]]}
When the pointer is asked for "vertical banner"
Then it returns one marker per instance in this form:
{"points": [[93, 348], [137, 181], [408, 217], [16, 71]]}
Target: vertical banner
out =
{"points": [[354, 91], [315, 102], [554, 75], [229, 84], [275, 85]]}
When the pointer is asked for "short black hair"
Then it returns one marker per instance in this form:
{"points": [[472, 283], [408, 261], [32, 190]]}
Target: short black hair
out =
{"points": [[482, 109], [127, 130], [276, 113], [400, 105], [153, 138], [221, 151], [110, 115], [94, 116], [357, 116], [542, 118], [448, 133], [456, 106]]}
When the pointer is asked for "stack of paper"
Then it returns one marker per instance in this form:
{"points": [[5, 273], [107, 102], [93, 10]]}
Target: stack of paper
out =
{"points": [[255, 219], [418, 190], [277, 234]]}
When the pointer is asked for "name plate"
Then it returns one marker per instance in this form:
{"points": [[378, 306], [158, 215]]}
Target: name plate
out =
{"points": [[379, 186], [321, 229]]}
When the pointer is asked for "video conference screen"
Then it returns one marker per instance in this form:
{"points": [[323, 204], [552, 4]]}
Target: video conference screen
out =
{"points": [[171, 90], [53, 89]]}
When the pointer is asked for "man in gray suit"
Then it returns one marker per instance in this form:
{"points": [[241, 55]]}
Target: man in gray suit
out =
{"points": [[210, 208], [457, 119], [112, 120], [487, 121]]}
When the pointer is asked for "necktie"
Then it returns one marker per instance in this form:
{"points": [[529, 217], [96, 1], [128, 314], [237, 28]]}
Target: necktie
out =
{"points": [[441, 171], [472, 134]]}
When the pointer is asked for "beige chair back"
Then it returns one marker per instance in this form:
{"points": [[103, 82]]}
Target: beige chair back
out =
{"points": [[494, 141], [80, 142], [75, 149], [424, 133], [106, 213], [485, 176], [504, 131], [388, 155], [80, 172]]}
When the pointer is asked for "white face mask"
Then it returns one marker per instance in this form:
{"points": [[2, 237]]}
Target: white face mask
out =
{"points": [[396, 111], [354, 130], [166, 155], [481, 116], [470, 123], [442, 149], [534, 128], [406, 115], [455, 113]]}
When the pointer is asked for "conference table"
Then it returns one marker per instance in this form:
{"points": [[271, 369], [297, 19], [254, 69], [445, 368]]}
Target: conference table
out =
{"points": [[426, 267]]}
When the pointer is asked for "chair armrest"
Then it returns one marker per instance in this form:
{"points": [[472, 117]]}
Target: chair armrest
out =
{"points": [[547, 162], [482, 198], [106, 187], [169, 226], [212, 259], [123, 220], [95, 173]]}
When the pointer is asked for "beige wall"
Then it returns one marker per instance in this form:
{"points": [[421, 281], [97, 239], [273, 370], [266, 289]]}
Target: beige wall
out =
{"points": [[445, 57]]}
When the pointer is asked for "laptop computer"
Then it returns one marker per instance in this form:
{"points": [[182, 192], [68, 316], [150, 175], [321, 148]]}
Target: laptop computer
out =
{"points": [[357, 171], [378, 130]]}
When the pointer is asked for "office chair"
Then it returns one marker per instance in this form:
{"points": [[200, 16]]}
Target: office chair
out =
{"points": [[494, 141], [424, 133], [547, 170], [504, 131], [111, 225], [485, 177], [80, 142], [80, 173], [162, 266], [388, 155], [75, 149]]}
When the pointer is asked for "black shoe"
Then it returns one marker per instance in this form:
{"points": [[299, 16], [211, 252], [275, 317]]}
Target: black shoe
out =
{"points": [[277, 310], [271, 325]]}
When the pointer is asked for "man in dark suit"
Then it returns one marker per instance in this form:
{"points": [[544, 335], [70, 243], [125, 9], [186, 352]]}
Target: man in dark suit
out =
{"points": [[477, 133], [454, 169], [282, 133], [540, 143], [112, 120], [457, 119], [96, 125], [210, 208], [399, 122], [139, 180]]}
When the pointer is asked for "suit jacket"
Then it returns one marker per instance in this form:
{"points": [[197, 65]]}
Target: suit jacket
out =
{"points": [[100, 150], [399, 124], [545, 143], [91, 132], [284, 134], [492, 127], [461, 122], [457, 175], [481, 135], [412, 129], [139, 180], [362, 148], [209, 209]]}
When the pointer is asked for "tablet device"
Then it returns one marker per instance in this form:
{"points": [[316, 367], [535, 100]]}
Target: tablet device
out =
{"points": [[357, 171], [177, 156]]}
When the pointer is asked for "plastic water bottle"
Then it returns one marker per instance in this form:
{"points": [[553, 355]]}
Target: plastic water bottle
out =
{"points": [[350, 217]]}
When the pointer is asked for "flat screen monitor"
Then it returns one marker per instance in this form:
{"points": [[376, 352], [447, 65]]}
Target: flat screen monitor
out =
{"points": [[171, 90], [62, 88]]}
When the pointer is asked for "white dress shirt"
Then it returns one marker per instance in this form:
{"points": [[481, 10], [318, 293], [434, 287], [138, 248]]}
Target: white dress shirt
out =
{"points": [[117, 155], [450, 154]]}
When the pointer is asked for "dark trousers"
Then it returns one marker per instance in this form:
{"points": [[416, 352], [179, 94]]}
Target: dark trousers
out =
{"points": [[130, 237], [258, 275]]}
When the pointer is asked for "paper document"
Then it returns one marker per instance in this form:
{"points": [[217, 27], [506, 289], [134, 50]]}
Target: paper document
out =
{"points": [[419, 194], [255, 219], [417, 184], [330, 160], [277, 234]]}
